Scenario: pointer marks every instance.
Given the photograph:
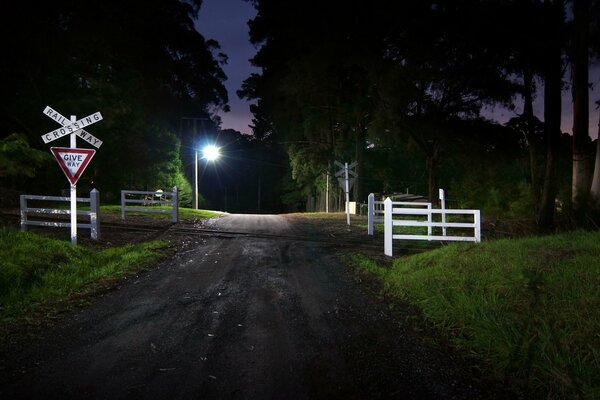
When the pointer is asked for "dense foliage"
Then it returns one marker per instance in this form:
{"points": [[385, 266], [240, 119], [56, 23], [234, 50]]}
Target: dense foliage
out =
{"points": [[400, 87], [143, 66]]}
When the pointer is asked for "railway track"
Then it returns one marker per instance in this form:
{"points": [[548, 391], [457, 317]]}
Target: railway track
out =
{"points": [[326, 240], [341, 241]]}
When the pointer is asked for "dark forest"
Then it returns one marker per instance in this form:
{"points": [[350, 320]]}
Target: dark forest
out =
{"points": [[400, 87]]}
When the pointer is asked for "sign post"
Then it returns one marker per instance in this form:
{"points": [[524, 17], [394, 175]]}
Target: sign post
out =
{"points": [[346, 182], [72, 160]]}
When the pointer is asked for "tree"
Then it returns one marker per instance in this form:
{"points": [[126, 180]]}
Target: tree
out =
{"points": [[554, 18], [142, 67], [581, 154], [18, 159]]}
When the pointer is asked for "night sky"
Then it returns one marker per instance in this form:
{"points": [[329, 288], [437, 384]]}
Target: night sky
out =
{"points": [[226, 22]]}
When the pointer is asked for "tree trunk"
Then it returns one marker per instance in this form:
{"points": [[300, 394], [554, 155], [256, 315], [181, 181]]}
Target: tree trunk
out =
{"points": [[581, 159], [431, 161], [359, 154], [531, 134], [595, 191], [552, 132]]}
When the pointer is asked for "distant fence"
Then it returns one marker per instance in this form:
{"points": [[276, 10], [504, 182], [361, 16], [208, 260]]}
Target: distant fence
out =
{"points": [[27, 212], [375, 211], [389, 222], [149, 199]]}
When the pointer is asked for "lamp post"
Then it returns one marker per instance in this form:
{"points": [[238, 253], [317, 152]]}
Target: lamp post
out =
{"points": [[210, 153]]}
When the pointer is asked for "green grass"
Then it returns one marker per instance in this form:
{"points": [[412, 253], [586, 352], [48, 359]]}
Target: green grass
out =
{"points": [[529, 307], [184, 213], [37, 271]]}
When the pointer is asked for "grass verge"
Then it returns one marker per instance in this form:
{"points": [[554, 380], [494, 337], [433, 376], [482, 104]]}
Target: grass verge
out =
{"points": [[37, 272], [528, 307]]}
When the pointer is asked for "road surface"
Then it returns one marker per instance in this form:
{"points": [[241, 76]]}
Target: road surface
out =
{"points": [[267, 315]]}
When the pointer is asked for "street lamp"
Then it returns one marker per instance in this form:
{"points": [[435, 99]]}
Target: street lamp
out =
{"points": [[209, 152]]}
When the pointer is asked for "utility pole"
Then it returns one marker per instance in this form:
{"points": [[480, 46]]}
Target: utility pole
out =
{"points": [[194, 146]]}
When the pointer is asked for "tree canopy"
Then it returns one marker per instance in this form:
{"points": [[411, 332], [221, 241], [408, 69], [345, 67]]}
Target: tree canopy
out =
{"points": [[143, 65], [349, 79]]}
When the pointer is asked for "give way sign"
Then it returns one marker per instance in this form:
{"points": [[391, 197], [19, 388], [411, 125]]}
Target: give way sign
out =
{"points": [[72, 161]]}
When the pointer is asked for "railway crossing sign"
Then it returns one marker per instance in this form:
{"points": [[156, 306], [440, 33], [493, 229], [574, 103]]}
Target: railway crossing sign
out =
{"points": [[341, 174], [69, 127], [72, 161], [346, 182]]}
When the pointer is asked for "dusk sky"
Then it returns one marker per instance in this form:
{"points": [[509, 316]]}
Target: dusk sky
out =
{"points": [[226, 22]]}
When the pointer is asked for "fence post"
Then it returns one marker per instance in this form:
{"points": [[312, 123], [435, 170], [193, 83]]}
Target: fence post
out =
{"points": [[175, 201], [370, 213], [388, 227], [477, 223], [122, 205], [429, 220], [23, 202], [443, 204], [94, 214]]}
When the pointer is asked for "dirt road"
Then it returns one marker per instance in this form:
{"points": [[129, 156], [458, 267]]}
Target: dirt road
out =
{"points": [[267, 315]]}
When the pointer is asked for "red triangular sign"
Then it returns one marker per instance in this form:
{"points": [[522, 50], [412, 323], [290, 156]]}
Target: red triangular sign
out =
{"points": [[72, 161]]}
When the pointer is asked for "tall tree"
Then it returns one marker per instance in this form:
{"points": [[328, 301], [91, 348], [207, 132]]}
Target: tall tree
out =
{"points": [[579, 54], [554, 20], [595, 45]]}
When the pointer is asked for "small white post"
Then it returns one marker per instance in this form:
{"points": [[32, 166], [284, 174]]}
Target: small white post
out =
{"points": [[73, 194], [429, 219], [23, 201], [122, 205], [371, 214], [175, 201], [388, 227], [443, 204], [477, 222], [347, 194], [94, 214]]}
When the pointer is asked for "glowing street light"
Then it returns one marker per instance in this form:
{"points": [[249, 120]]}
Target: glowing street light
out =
{"points": [[209, 152]]}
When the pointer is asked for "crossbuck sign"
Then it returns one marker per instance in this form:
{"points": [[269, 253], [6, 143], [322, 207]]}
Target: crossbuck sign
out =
{"points": [[72, 160], [346, 182]]}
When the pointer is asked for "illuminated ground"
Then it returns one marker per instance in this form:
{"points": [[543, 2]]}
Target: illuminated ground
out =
{"points": [[267, 312]]}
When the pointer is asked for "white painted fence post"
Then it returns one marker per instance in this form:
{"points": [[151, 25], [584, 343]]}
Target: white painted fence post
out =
{"points": [[429, 219], [443, 204], [23, 202], [477, 221], [94, 214], [388, 227], [122, 205], [370, 213], [175, 204]]}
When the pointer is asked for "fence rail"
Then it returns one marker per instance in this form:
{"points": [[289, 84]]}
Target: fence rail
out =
{"points": [[165, 199], [27, 212], [375, 209], [389, 222]]}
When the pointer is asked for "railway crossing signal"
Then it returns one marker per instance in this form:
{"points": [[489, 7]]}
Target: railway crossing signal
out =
{"points": [[72, 160], [346, 182]]}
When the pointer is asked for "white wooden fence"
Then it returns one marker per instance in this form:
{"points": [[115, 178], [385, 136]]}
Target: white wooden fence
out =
{"points": [[375, 211], [389, 222], [148, 199], [93, 200]]}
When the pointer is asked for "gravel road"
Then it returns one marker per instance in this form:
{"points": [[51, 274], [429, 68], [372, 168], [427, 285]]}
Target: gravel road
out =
{"points": [[267, 315]]}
